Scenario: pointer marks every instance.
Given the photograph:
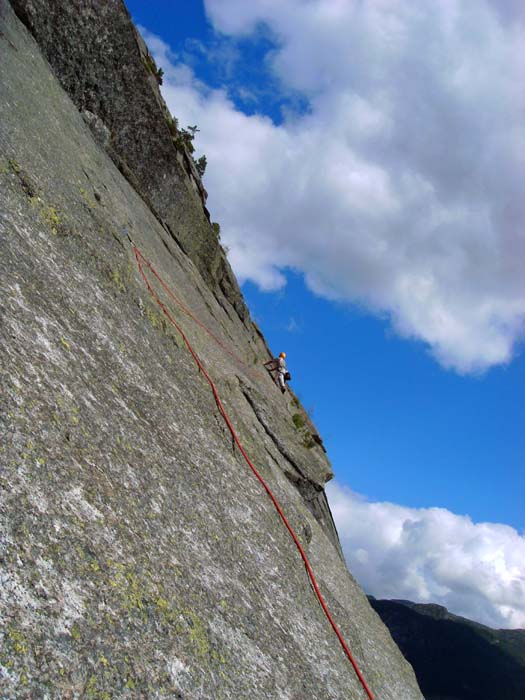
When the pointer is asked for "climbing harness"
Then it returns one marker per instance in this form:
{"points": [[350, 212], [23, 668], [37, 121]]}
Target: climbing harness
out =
{"points": [[141, 262], [273, 366]]}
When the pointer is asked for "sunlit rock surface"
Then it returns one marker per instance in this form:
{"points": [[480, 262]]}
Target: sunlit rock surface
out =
{"points": [[140, 558]]}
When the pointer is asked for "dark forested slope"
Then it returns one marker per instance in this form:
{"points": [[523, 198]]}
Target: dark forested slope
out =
{"points": [[455, 658]]}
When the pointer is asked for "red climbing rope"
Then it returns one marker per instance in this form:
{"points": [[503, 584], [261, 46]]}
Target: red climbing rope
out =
{"points": [[140, 259], [191, 315]]}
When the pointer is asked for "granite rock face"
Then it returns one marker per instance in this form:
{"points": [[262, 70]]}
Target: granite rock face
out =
{"points": [[139, 556], [105, 67]]}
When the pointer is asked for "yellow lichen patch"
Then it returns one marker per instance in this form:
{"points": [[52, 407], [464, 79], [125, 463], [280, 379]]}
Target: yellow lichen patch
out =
{"points": [[132, 594], [162, 604], [51, 218], [65, 343], [220, 658], [91, 688], [74, 419], [197, 634], [18, 641], [49, 214], [117, 281], [166, 613], [153, 318], [87, 199], [14, 165]]}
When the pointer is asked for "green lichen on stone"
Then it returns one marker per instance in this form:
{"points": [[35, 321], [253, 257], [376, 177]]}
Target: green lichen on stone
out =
{"points": [[156, 320], [167, 613], [130, 589], [49, 214], [74, 417], [197, 634], [159, 322], [51, 218], [91, 203], [17, 640], [91, 688], [117, 281], [298, 420], [14, 166], [308, 441]]}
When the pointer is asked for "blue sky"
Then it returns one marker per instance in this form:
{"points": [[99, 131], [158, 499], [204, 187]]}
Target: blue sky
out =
{"points": [[372, 214], [397, 426]]}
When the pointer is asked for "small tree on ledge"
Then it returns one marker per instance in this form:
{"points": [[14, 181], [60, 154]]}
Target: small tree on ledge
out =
{"points": [[201, 165]]}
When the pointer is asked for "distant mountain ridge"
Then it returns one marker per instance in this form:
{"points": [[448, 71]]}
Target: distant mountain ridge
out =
{"points": [[455, 658]]}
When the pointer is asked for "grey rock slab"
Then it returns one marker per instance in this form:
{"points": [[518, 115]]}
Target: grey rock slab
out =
{"points": [[104, 65], [139, 557]]}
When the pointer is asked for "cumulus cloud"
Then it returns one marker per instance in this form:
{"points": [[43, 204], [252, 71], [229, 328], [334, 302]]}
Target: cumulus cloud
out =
{"points": [[430, 555], [401, 186]]}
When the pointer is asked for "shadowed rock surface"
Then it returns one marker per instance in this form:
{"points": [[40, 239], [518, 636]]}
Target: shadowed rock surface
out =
{"points": [[139, 556], [455, 658]]}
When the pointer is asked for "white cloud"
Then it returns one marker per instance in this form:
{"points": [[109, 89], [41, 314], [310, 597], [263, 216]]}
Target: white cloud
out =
{"points": [[476, 570], [402, 187], [294, 326]]}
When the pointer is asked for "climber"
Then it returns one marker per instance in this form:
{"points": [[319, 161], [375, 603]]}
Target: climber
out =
{"points": [[278, 365]]}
